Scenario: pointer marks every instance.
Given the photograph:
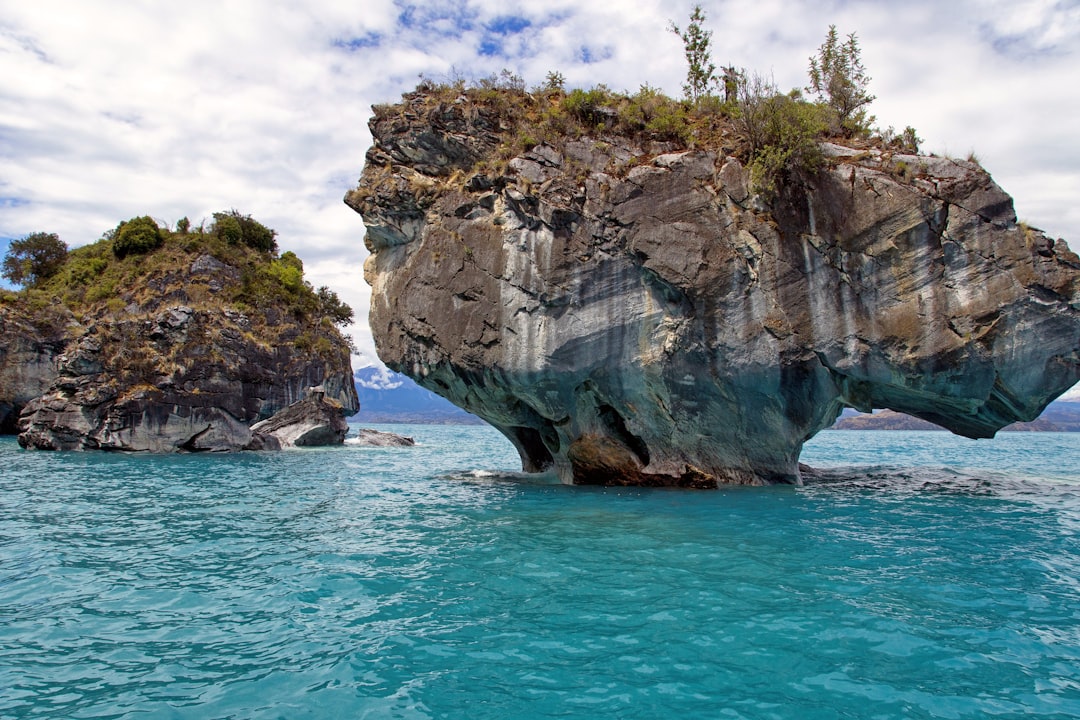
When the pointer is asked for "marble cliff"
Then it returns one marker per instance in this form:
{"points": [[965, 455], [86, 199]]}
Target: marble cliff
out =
{"points": [[631, 312]]}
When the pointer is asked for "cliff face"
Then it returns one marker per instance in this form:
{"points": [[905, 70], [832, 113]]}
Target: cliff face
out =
{"points": [[28, 353], [629, 314], [169, 363]]}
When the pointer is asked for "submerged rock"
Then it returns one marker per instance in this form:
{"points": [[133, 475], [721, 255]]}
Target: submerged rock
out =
{"points": [[631, 317]]}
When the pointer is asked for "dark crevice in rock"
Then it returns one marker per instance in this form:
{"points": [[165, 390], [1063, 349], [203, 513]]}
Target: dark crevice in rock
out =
{"points": [[191, 444], [531, 446], [616, 426]]}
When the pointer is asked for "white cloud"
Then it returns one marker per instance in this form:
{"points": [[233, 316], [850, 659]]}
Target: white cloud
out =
{"points": [[116, 108], [381, 379]]}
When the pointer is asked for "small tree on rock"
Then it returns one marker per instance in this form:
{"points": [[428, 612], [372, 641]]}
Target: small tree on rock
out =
{"points": [[332, 307], [34, 258], [839, 80], [701, 75]]}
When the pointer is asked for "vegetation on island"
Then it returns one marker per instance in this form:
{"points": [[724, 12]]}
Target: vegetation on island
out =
{"points": [[739, 112], [34, 258], [141, 263]]}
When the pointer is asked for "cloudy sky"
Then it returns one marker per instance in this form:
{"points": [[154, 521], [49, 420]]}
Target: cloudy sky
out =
{"points": [[116, 108]]}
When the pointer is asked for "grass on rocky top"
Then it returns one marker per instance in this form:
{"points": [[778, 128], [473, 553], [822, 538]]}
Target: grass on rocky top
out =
{"points": [[94, 283], [776, 135]]}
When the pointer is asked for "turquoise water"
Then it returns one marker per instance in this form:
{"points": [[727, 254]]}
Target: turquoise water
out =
{"points": [[923, 576]]}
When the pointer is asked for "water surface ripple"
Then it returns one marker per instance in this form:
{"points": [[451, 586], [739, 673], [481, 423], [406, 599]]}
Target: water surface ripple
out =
{"points": [[918, 575]]}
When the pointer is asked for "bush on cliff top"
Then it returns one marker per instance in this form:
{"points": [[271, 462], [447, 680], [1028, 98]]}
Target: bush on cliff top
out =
{"points": [[776, 134], [143, 264], [235, 228], [136, 236]]}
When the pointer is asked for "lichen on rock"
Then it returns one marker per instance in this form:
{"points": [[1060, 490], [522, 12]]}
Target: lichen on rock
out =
{"points": [[631, 312]]}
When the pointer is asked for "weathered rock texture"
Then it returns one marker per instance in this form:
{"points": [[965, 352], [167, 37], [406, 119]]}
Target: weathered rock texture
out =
{"points": [[28, 365], [160, 377], [312, 422], [377, 438], [633, 317]]}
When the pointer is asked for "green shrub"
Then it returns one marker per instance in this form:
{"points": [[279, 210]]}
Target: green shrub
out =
{"points": [[910, 141], [505, 80], [592, 107], [782, 132], [642, 107], [104, 289], [670, 121], [227, 227], [554, 82], [83, 270], [234, 228], [136, 236], [288, 272]]}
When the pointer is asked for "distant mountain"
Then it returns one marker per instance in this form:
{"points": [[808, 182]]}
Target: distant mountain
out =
{"points": [[1060, 416], [1064, 414], [389, 397]]}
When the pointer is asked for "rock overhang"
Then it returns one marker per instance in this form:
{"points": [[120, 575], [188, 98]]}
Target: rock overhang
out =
{"points": [[631, 316]]}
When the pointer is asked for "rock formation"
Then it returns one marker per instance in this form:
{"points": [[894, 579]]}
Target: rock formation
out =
{"points": [[172, 363], [312, 422], [886, 420], [632, 312], [28, 353], [377, 438]]}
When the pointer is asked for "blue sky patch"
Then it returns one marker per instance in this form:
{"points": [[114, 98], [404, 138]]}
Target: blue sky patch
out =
{"points": [[590, 55], [445, 19], [354, 44], [490, 47], [508, 25], [5, 243]]}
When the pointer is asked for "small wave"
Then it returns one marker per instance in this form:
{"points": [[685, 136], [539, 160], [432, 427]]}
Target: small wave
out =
{"points": [[503, 476], [937, 480]]}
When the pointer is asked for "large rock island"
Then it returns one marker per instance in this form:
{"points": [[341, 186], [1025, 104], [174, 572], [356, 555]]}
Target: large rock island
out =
{"points": [[630, 308], [180, 343]]}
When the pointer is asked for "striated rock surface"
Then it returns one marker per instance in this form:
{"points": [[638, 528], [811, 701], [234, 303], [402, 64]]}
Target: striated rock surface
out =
{"points": [[312, 422], [184, 358], [632, 315], [179, 380]]}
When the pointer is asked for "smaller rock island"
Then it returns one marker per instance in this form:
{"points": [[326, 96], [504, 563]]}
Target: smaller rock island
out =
{"points": [[196, 339]]}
